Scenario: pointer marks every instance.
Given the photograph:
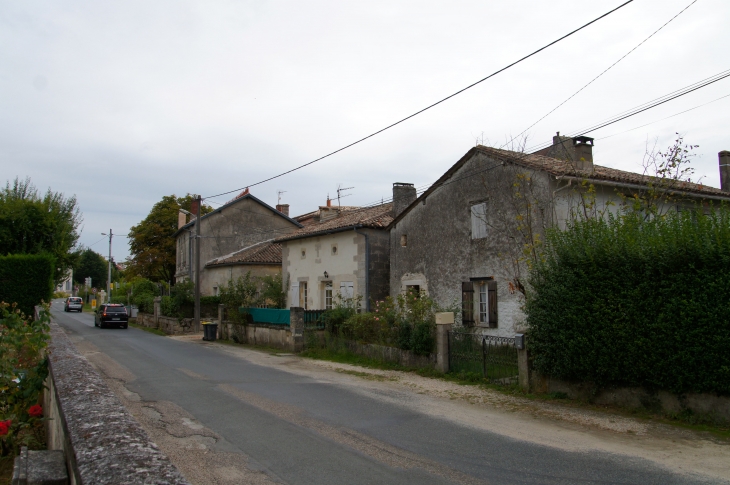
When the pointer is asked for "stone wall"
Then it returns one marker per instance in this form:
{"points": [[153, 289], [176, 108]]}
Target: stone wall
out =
{"points": [[101, 440], [169, 325], [261, 334]]}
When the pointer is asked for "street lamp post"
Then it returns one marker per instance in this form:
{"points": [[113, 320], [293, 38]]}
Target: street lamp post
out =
{"points": [[109, 276]]}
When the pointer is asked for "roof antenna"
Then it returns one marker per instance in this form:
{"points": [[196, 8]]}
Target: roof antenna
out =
{"points": [[278, 196], [341, 189]]}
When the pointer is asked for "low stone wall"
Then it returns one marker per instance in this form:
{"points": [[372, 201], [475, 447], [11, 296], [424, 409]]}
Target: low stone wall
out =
{"points": [[102, 442], [262, 334], [709, 405], [169, 325], [405, 358]]}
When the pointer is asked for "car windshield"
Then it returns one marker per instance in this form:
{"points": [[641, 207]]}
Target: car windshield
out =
{"points": [[116, 309], [74, 300]]}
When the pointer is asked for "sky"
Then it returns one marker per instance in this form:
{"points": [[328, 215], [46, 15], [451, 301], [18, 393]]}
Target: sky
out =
{"points": [[122, 103]]}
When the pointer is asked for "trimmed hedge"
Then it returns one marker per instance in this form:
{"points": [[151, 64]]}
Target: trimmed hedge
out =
{"points": [[628, 301], [26, 279]]}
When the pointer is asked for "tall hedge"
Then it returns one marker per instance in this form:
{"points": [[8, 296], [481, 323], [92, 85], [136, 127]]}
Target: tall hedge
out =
{"points": [[26, 279], [629, 301]]}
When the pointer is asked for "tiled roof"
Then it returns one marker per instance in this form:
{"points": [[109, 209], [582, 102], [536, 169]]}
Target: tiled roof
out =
{"points": [[377, 217], [313, 217], [262, 253], [558, 167]]}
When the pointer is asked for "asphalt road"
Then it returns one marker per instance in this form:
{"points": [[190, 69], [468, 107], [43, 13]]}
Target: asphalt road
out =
{"points": [[299, 430]]}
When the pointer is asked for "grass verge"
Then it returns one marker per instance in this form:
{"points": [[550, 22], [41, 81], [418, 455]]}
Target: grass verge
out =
{"points": [[685, 420]]}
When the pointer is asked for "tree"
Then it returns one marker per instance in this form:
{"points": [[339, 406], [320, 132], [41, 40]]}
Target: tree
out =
{"points": [[35, 224], [90, 263], [151, 242]]}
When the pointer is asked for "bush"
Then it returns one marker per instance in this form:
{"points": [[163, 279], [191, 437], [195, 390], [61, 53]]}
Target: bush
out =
{"points": [[636, 302], [26, 279], [22, 372]]}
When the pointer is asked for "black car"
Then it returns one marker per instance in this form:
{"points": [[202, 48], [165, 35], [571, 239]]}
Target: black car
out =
{"points": [[111, 314]]}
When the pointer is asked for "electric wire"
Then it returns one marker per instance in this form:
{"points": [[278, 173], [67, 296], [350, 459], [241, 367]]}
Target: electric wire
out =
{"points": [[429, 106], [601, 74]]}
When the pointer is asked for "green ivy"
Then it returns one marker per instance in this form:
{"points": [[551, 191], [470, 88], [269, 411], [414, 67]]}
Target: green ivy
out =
{"points": [[637, 301]]}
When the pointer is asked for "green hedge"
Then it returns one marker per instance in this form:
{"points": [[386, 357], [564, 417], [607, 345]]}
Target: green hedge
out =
{"points": [[26, 279], [626, 301]]}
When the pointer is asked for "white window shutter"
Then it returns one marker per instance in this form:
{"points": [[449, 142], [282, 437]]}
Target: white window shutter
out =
{"points": [[479, 221]]}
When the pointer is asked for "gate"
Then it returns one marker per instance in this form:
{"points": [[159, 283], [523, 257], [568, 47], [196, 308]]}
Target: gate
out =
{"points": [[495, 358]]}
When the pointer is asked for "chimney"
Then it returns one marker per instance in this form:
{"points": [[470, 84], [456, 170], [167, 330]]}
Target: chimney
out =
{"points": [[329, 201], [583, 153], [194, 207], [403, 195], [724, 159], [182, 219], [283, 208]]}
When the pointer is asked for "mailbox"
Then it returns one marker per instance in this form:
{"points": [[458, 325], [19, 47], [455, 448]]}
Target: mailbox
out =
{"points": [[520, 341]]}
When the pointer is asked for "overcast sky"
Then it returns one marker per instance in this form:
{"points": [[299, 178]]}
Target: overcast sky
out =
{"points": [[121, 103]]}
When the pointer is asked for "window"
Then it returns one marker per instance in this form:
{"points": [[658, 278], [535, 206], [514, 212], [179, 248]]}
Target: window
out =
{"points": [[334, 249], [479, 221], [328, 295], [303, 294], [304, 253], [413, 290], [215, 291], [295, 294], [467, 303], [347, 290], [487, 303], [404, 240]]}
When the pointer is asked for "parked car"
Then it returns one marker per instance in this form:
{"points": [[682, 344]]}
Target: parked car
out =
{"points": [[111, 314], [73, 303]]}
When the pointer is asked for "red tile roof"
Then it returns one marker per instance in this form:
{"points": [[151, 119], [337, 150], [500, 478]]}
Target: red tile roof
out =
{"points": [[377, 217], [262, 253]]}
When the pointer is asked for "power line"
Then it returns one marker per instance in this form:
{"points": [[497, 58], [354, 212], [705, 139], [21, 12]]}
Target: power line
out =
{"points": [[601, 74], [431, 105], [665, 118], [647, 106]]}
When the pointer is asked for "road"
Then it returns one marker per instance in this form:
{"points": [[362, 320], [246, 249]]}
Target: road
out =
{"points": [[229, 416]]}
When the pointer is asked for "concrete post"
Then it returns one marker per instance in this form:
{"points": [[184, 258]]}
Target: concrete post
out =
{"points": [[296, 325], [523, 366], [444, 322], [222, 334], [157, 312]]}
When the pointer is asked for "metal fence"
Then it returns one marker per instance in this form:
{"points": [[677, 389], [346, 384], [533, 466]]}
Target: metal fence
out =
{"points": [[313, 319], [495, 358]]}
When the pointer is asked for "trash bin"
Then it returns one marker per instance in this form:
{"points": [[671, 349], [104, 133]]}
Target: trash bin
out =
{"points": [[210, 330]]}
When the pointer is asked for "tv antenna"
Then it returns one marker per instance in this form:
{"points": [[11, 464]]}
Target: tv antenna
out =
{"points": [[278, 196], [341, 189]]}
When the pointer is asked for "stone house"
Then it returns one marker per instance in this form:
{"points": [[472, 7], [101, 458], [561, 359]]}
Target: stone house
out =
{"points": [[461, 240], [340, 252], [229, 241], [260, 259]]}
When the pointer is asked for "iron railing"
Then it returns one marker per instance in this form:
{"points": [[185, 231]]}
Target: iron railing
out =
{"points": [[495, 358]]}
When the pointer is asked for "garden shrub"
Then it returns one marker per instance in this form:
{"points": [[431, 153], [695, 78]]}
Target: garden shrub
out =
{"points": [[636, 301], [23, 368], [26, 279]]}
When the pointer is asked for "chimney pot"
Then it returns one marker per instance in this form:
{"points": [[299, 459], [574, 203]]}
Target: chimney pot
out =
{"points": [[329, 202], [403, 195], [283, 208], [583, 152], [724, 161]]}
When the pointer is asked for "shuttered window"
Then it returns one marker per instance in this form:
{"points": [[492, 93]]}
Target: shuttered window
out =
{"points": [[467, 303], [479, 221], [488, 303]]}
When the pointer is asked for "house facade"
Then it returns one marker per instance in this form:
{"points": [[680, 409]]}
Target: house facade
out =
{"points": [[461, 241], [340, 253], [238, 225], [260, 259]]}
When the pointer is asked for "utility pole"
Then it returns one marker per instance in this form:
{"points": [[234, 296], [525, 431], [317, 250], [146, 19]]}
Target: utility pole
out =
{"points": [[109, 276], [199, 202]]}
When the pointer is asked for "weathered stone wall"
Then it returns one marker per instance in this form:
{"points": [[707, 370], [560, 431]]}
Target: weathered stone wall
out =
{"points": [[102, 442], [440, 253], [169, 325], [379, 264]]}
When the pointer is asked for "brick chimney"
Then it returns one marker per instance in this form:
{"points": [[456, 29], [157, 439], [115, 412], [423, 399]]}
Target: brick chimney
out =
{"points": [[403, 195], [724, 160], [583, 153], [283, 208]]}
